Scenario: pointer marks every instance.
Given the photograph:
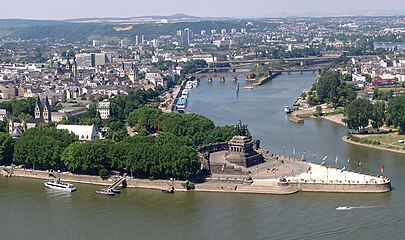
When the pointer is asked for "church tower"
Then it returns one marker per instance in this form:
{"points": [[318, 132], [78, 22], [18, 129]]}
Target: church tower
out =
{"points": [[74, 67], [38, 108], [47, 110], [10, 125]]}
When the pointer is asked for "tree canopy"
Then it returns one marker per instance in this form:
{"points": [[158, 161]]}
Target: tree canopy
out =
{"points": [[6, 149], [199, 129], [396, 112], [358, 114], [42, 146]]}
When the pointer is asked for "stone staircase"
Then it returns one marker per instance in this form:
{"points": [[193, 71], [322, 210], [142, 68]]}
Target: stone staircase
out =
{"points": [[228, 169], [267, 189]]}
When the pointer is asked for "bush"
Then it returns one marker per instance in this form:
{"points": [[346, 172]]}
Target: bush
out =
{"points": [[103, 173], [190, 185]]}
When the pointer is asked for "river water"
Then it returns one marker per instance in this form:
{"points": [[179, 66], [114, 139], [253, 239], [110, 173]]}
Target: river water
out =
{"points": [[29, 211]]}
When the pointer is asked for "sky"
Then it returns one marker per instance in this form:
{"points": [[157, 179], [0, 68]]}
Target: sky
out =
{"points": [[71, 9]]}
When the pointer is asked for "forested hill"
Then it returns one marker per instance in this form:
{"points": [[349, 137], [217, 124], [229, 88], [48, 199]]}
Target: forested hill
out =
{"points": [[86, 32]]}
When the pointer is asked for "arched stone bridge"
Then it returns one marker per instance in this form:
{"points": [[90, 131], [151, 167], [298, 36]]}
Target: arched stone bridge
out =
{"points": [[210, 73]]}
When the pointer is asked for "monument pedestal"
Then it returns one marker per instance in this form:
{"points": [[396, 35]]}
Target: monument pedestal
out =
{"points": [[242, 153]]}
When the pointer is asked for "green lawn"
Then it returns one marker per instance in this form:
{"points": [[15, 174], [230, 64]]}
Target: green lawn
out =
{"points": [[388, 139]]}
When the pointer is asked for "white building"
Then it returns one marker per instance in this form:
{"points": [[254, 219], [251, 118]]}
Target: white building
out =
{"points": [[83, 132], [4, 115], [358, 77], [206, 57], [156, 79], [104, 109]]}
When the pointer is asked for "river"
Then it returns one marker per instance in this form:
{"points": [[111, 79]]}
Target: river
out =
{"points": [[29, 211]]}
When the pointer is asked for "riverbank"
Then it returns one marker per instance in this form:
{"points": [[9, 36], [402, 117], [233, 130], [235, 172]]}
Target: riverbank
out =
{"points": [[300, 115], [217, 185], [313, 181], [377, 147]]}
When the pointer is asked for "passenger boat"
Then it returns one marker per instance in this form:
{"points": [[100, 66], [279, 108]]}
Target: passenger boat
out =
{"points": [[248, 87], [189, 85], [343, 208], [107, 191], [58, 185]]}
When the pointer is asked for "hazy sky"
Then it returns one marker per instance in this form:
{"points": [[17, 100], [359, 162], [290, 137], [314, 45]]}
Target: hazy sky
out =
{"points": [[67, 9]]}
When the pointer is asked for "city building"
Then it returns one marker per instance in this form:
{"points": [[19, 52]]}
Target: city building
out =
{"points": [[104, 109], [83, 132]]}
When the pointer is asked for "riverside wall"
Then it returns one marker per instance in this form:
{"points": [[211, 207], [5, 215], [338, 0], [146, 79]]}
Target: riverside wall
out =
{"points": [[96, 180], [341, 187]]}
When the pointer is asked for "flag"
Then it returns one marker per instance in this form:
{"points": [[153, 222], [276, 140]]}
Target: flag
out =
{"points": [[309, 168], [325, 157], [314, 155], [343, 169], [336, 159], [348, 160], [223, 168], [294, 151], [382, 168], [360, 163]]}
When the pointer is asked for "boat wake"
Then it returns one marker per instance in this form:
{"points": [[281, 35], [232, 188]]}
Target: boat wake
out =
{"points": [[347, 208]]}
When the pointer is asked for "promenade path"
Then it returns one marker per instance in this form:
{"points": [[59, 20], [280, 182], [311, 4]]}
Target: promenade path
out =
{"points": [[274, 167]]}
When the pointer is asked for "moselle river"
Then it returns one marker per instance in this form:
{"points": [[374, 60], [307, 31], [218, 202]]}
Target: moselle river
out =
{"points": [[29, 211]]}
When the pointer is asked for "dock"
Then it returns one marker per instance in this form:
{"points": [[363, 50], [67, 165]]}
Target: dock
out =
{"points": [[111, 190]]}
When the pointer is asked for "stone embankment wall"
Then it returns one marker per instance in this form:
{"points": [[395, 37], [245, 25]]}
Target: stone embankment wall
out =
{"points": [[343, 187], [96, 180], [215, 147], [205, 151]]}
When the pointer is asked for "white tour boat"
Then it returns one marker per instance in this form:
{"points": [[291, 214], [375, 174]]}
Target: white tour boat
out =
{"points": [[344, 208], [58, 185]]}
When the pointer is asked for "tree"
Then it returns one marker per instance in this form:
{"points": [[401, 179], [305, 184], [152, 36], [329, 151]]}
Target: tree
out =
{"points": [[192, 66], [358, 114], [378, 115], [3, 126], [396, 112], [42, 147], [327, 87], [6, 149], [88, 158], [146, 118]]}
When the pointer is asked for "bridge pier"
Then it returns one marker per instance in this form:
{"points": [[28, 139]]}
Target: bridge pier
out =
{"points": [[235, 79], [222, 79], [210, 79]]}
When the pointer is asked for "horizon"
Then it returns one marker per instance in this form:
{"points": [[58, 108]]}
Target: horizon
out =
{"points": [[237, 9], [157, 16]]}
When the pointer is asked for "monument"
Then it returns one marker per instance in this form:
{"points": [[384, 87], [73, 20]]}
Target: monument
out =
{"points": [[242, 148]]}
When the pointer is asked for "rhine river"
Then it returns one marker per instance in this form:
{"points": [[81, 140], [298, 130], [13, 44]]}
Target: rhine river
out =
{"points": [[29, 211]]}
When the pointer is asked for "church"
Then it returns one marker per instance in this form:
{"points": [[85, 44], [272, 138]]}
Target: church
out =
{"points": [[43, 110]]}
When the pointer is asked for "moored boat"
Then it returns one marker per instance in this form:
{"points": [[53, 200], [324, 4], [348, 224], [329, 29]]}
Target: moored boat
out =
{"points": [[58, 185], [288, 109], [105, 191], [171, 190], [248, 87]]}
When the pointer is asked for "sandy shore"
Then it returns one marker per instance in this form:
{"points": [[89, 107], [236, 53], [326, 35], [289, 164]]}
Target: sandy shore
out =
{"points": [[335, 118]]}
